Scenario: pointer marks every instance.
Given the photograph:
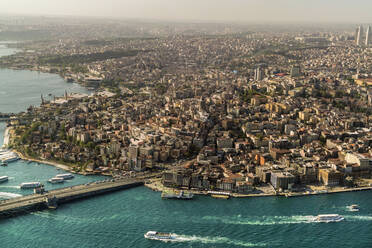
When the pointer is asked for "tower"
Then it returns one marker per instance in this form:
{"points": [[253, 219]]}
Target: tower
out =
{"points": [[359, 35], [258, 74], [368, 35]]}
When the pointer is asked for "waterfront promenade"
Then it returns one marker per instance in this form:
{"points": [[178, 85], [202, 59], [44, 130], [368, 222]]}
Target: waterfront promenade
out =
{"points": [[56, 197]]}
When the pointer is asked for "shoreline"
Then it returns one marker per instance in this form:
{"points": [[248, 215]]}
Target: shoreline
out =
{"points": [[156, 185]]}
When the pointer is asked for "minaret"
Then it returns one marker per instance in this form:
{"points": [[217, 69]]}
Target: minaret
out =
{"points": [[66, 96], [368, 35], [42, 100]]}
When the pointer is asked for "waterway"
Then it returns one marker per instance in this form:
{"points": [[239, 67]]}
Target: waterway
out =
{"points": [[120, 219]]}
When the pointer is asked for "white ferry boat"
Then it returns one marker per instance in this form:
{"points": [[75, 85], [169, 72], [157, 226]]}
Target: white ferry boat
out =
{"points": [[326, 218], [160, 236], [65, 176], [56, 180], [3, 179], [9, 159], [30, 185]]}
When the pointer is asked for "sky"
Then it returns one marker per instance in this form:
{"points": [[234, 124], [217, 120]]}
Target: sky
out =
{"points": [[345, 11]]}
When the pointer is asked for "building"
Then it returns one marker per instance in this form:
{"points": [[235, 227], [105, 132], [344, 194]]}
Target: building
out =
{"points": [[329, 177], [295, 71], [368, 36], [258, 74], [282, 180], [359, 35]]}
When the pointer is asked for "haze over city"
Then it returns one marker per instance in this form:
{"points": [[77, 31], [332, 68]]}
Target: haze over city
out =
{"points": [[205, 10]]}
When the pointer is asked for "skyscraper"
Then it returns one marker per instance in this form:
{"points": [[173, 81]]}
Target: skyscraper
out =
{"points": [[368, 36], [359, 35], [258, 74]]}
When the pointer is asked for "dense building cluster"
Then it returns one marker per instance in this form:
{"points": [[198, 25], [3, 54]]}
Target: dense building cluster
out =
{"points": [[229, 112]]}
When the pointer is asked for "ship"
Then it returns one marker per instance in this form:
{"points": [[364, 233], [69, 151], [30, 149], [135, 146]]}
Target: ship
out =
{"points": [[176, 195], [30, 185], [354, 208], [55, 180], [3, 179], [9, 159], [160, 236], [326, 218], [65, 176]]}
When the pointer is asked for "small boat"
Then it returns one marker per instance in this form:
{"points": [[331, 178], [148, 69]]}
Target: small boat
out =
{"points": [[4, 164], [55, 180], [354, 208], [3, 179], [326, 218], [175, 195], [160, 236], [30, 185], [65, 176]]}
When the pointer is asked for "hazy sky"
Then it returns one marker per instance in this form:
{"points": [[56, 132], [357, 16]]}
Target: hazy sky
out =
{"points": [[217, 10]]}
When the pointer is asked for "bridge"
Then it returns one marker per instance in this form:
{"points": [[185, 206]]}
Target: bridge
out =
{"points": [[53, 198]]}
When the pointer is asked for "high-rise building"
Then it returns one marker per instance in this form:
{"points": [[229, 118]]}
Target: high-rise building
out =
{"points": [[368, 36], [295, 71], [258, 74], [359, 35]]}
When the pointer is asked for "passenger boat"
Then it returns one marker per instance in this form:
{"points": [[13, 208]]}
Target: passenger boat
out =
{"points": [[176, 195], [65, 176], [56, 180], [160, 236], [326, 218], [30, 185], [3, 179], [354, 208]]}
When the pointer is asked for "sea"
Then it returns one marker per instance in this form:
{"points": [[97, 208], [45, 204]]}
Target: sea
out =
{"points": [[120, 219]]}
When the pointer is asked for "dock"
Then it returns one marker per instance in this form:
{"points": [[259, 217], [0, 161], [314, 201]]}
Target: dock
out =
{"points": [[53, 198]]}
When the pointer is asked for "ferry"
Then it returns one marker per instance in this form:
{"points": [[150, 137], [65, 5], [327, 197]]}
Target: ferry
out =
{"points": [[30, 185], [354, 208], [56, 180], [326, 218], [65, 176], [3, 179], [9, 159], [175, 195], [160, 236]]}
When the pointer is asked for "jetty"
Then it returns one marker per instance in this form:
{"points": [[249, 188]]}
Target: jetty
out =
{"points": [[53, 198]]}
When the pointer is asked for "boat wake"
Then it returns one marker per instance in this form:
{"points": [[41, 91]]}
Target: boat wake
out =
{"points": [[215, 240], [11, 187], [8, 195], [358, 217], [262, 221]]}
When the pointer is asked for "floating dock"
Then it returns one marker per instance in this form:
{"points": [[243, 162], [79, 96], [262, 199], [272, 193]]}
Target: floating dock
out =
{"points": [[51, 199]]}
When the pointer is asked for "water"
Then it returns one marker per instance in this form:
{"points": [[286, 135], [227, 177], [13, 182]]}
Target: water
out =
{"points": [[120, 219], [20, 88]]}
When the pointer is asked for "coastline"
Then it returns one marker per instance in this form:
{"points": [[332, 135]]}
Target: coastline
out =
{"points": [[156, 185]]}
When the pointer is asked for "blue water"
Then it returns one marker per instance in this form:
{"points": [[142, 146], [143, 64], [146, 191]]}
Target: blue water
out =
{"points": [[120, 219]]}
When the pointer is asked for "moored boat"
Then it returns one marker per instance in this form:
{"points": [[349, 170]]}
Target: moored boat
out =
{"points": [[55, 180], [65, 176], [30, 185], [326, 218], [160, 236], [176, 195]]}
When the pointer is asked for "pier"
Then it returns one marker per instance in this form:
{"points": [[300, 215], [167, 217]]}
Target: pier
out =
{"points": [[53, 198]]}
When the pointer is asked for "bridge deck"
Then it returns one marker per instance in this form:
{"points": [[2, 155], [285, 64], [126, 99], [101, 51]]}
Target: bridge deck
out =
{"points": [[63, 195]]}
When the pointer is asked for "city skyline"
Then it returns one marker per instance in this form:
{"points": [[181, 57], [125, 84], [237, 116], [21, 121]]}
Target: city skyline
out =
{"points": [[218, 10]]}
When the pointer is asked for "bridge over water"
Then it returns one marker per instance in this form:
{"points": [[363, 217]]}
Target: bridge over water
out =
{"points": [[53, 198]]}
